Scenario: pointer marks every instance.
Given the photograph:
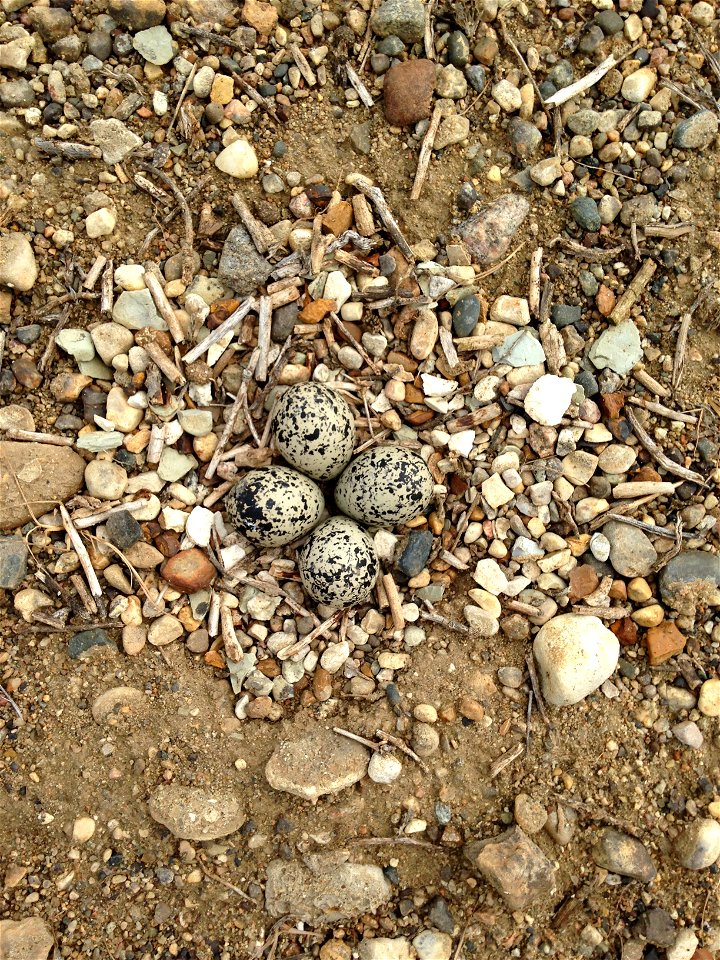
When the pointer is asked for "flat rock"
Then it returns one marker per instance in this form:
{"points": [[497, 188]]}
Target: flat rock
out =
{"points": [[135, 309], [18, 268], [114, 140], [623, 855], [520, 349], [407, 92], [516, 867], [241, 267], [400, 18], [189, 571], [618, 348], [46, 475], [116, 702], [575, 654], [631, 551], [13, 562], [548, 399], [316, 763], [238, 159], [137, 14], [385, 948], [690, 578], [326, 888], [489, 233], [28, 939], [696, 132], [154, 45], [84, 643], [13, 416], [194, 813]]}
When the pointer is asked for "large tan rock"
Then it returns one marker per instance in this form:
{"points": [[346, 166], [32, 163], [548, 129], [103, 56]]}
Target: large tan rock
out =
{"points": [[27, 939], [35, 476]]}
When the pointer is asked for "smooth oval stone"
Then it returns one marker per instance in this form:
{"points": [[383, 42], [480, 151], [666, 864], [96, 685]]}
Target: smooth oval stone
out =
{"points": [[465, 315]]}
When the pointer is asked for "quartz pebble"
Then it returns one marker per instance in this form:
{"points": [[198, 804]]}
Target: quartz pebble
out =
{"points": [[575, 655]]}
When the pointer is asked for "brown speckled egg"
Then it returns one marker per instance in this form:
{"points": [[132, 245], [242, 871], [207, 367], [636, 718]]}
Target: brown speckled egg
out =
{"points": [[274, 505], [385, 486], [314, 430], [338, 564]]}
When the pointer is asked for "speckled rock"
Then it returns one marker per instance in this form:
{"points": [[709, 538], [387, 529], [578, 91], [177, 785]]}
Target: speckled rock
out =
{"points": [[489, 233], [241, 266], [194, 813], [691, 577], [314, 430], [385, 485], [275, 505], [698, 845], [696, 132], [28, 939], [315, 763], [324, 888], [338, 564], [13, 562], [400, 18]]}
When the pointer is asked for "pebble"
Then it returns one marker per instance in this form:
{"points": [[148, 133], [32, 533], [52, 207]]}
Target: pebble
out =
{"points": [[48, 474], [241, 266], [116, 702], [18, 268], [489, 233], [688, 733], [631, 551], [385, 948], [13, 562], [450, 83], [154, 45], [105, 479], [452, 130], [114, 140], [624, 855], [698, 845], [530, 814], [316, 763], [78, 343], [384, 768], [516, 868], [618, 348], [691, 574], [575, 654], [100, 223], [507, 96], [709, 698], [83, 829], [238, 160], [548, 399], [638, 86], [188, 571], [164, 630], [134, 638], [585, 213], [684, 946], [407, 92], [325, 888], [135, 309], [87, 641], [196, 813], [28, 939], [465, 315], [433, 945], [400, 18], [174, 465]]}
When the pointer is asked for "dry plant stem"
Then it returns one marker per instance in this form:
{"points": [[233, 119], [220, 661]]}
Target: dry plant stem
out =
{"points": [[82, 590], [510, 756], [426, 153], [106, 289], [536, 688], [604, 613], [359, 86], [655, 451], [217, 494], [396, 742], [402, 841], [670, 231], [183, 94], [264, 319], [187, 247], [621, 310], [50, 347], [394, 600], [685, 322], [429, 35], [499, 266], [302, 65], [363, 216], [233, 321], [83, 557], [357, 346], [164, 363], [15, 433], [534, 289], [275, 590], [257, 97], [70, 151], [650, 383], [586, 82], [375, 195], [101, 516], [647, 527], [286, 653], [153, 281], [260, 234], [9, 699], [526, 69], [247, 376], [663, 411], [229, 886], [591, 254], [358, 739], [149, 187], [2, 347], [94, 272], [432, 617]]}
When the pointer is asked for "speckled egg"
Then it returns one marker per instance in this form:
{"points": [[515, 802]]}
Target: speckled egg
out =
{"points": [[385, 485], [274, 505], [338, 564], [314, 430]]}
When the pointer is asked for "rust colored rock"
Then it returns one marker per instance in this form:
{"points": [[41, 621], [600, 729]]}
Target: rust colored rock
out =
{"points": [[188, 571], [663, 642], [605, 300], [583, 580], [26, 373], [489, 233], [37, 474], [646, 474], [626, 631], [407, 92], [611, 404], [67, 387]]}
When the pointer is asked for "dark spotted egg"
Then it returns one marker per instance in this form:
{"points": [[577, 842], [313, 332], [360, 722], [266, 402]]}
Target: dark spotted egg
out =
{"points": [[385, 486], [338, 564], [274, 505], [314, 430]]}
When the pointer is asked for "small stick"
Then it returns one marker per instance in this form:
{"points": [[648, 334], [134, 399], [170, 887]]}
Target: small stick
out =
{"points": [[426, 152], [224, 883], [82, 554], [302, 64], [2, 347], [621, 310], [15, 433], [534, 291], [217, 494], [394, 600], [261, 235], [281, 297], [78, 583], [519, 607], [187, 247], [604, 613], [396, 742], [362, 90], [69, 151], [628, 507], [285, 653], [163, 362], [233, 321], [12, 703], [679, 361], [153, 281], [502, 263], [536, 688], [432, 617], [50, 347], [586, 82], [634, 240], [650, 383], [354, 736], [663, 411], [94, 272], [448, 347], [641, 488], [670, 230], [247, 376], [510, 756], [655, 451], [183, 94], [474, 419], [526, 69], [402, 841], [149, 187], [92, 519], [591, 254], [363, 216], [429, 36], [317, 246], [106, 289], [264, 318], [647, 527], [227, 627], [357, 346], [258, 98], [528, 721], [375, 195], [358, 265]]}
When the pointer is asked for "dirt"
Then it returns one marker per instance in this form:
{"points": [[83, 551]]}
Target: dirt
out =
{"points": [[61, 764]]}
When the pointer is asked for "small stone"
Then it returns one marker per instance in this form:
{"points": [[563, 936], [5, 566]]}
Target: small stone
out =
{"points": [[85, 642], [13, 562], [684, 946], [416, 553], [698, 845], [663, 641], [105, 479], [616, 458], [174, 465], [624, 855], [196, 813], [507, 96], [134, 638], [198, 423], [78, 343], [241, 266], [384, 768], [100, 223], [188, 571], [709, 699], [124, 417], [137, 15], [517, 868], [135, 309], [18, 268], [324, 888], [452, 130], [585, 213], [521, 349], [450, 83], [489, 233], [433, 945], [465, 315], [530, 815], [13, 416], [238, 160], [638, 86], [117, 702], [400, 18], [164, 630], [631, 551], [548, 399], [28, 939], [45, 474], [546, 172], [122, 529], [316, 763], [114, 139], [407, 92], [688, 579], [83, 829], [525, 138], [618, 348], [575, 655], [154, 45], [688, 733], [495, 493]]}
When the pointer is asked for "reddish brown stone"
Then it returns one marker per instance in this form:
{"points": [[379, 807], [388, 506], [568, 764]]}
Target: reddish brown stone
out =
{"points": [[618, 590], [322, 685], [611, 404], [316, 310], [605, 300], [26, 373], [485, 50], [646, 475], [663, 642], [339, 218], [626, 631], [408, 91], [583, 580], [188, 571]]}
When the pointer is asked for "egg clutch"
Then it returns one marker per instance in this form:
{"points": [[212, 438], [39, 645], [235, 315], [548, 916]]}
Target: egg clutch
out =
{"points": [[314, 431]]}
